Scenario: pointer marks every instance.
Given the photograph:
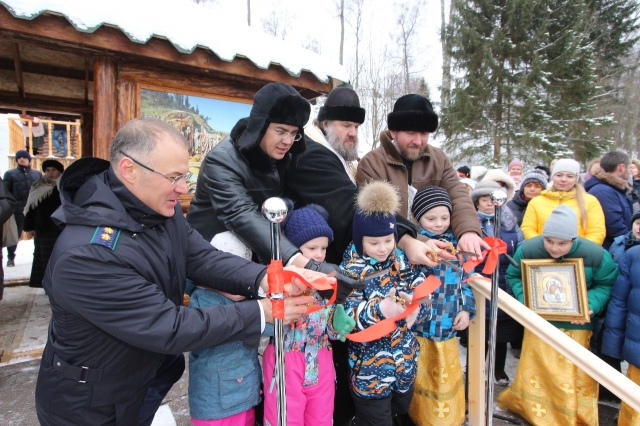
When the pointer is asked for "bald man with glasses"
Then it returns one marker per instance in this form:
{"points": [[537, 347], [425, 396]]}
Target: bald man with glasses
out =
{"points": [[116, 280]]}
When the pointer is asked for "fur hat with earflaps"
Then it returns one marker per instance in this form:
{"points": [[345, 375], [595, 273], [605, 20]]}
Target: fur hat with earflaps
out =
{"points": [[413, 113], [342, 104], [376, 207], [274, 103]]}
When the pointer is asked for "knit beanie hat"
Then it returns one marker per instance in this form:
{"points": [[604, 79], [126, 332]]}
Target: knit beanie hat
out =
{"points": [[535, 176], [566, 165], [562, 223], [375, 216], [342, 104], [307, 223], [464, 170], [52, 163], [22, 154], [428, 198], [413, 113], [515, 162], [486, 187], [635, 217]]}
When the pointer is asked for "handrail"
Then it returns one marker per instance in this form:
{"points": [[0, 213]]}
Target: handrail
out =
{"points": [[599, 370]]}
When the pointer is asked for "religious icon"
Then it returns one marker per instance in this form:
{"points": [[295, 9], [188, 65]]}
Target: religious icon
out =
{"points": [[555, 290]]}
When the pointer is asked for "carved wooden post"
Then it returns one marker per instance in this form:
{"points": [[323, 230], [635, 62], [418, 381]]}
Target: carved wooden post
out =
{"points": [[104, 105]]}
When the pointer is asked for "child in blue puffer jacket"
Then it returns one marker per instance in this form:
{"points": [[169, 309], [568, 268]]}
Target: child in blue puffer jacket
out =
{"points": [[453, 306]]}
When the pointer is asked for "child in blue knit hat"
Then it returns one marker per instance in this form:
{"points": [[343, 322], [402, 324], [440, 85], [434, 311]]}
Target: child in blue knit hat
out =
{"points": [[382, 371], [453, 307], [309, 371]]}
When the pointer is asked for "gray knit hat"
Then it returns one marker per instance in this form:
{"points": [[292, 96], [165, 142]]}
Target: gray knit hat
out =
{"points": [[535, 176], [485, 187], [428, 198], [562, 223]]}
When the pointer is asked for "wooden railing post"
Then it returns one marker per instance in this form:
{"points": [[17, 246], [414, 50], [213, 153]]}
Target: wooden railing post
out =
{"points": [[476, 366], [584, 359]]}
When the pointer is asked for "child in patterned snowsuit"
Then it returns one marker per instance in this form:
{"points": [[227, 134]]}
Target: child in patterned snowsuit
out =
{"points": [[382, 371], [439, 387]]}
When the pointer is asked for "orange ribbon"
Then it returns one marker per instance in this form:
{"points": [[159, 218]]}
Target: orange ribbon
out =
{"points": [[492, 254], [277, 276], [388, 325]]}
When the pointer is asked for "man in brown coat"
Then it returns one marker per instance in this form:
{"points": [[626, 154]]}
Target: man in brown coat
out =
{"points": [[405, 159]]}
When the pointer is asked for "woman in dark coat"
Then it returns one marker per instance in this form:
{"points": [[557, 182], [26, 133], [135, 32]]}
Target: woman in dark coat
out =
{"points": [[43, 200]]}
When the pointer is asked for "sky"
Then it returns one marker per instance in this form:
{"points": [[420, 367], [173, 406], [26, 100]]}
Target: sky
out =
{"points": [[318, 19]]}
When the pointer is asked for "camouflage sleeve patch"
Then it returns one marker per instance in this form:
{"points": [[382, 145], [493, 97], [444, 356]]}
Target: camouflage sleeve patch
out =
{"points": [[106, 236]]}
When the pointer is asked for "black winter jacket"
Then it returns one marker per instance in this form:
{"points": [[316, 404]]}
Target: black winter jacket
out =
{"points": [[518, 206], [8, 205], [115, 282], [18, 181], [237, 177]]}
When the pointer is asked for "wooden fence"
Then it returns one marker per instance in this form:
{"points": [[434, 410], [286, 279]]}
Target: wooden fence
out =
{"points": [[18, 141]]}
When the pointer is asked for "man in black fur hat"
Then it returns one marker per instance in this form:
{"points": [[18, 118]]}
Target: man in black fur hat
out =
{"points": [[336, 126], [405, 159]]}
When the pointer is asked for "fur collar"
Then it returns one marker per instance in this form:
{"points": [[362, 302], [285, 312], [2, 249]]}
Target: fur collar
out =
{"points": [[392, 151], [612, 180]]}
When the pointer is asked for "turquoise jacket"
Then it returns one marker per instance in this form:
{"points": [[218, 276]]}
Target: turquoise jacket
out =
{"points": [[599, 269]]}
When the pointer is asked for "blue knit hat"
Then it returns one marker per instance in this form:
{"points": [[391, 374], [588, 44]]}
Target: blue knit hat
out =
{"points": [[22, 154], [375, 216], [307, 223]]}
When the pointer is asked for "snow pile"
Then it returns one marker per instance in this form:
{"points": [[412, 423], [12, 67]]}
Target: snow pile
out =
{"points": [[187, 26]]}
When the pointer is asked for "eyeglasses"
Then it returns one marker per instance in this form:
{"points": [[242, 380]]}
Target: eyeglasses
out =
{"points": [[174, 180], [295, 136]]}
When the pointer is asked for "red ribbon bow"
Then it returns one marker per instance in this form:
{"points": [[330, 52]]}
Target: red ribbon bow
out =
{"points": [[386, 326], [277, 276], [497, 247]]}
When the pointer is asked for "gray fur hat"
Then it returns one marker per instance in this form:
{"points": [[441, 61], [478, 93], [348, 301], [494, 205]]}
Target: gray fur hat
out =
{"points": [[485, 187]]}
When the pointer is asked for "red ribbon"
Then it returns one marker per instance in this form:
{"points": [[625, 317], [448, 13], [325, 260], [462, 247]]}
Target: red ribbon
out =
{"points": [[388, 325], [277, 277], [492, 254]]}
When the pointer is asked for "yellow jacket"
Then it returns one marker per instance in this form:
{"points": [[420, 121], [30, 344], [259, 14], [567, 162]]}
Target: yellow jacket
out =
{"points": [[540, 207]]}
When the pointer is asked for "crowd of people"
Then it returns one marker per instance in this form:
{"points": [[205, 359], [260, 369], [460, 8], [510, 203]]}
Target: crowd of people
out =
{"points": [[385, 227]]}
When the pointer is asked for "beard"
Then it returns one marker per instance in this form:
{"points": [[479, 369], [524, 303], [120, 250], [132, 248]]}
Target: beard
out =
{"points": [[410, 156], [349, 154]]}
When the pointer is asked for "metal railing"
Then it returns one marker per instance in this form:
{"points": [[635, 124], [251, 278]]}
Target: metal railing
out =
{"points": [[599, 370]]}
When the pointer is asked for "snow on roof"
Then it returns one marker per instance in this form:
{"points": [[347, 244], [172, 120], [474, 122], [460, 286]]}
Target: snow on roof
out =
{"points": [[187, 26]]}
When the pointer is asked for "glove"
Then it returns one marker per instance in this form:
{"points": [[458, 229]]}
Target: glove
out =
{"points": [[342, 323], [345, 284]]}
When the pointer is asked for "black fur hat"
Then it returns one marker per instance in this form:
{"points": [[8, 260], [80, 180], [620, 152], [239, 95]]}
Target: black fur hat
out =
{"points": [[342, 104], [413, 113], [275, 103]]}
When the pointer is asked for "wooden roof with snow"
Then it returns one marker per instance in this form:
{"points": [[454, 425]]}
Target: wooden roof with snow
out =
{"points": [[89, 58]]}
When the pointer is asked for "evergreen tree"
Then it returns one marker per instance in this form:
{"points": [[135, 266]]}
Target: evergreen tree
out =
{"points": [[529, 76]]}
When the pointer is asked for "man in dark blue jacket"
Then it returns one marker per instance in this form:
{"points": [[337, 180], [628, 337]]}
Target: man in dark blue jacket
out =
{"points": [[116, 280], [18, 181], [610, 186]]}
